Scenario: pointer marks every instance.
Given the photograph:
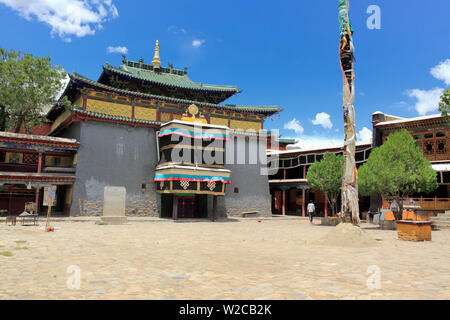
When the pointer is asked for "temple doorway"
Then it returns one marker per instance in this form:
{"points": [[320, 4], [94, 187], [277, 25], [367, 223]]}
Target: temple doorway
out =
{"points": [[187, 206]]}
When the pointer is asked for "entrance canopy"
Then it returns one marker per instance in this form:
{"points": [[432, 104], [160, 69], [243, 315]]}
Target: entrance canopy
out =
{"points": [[179, 179]]}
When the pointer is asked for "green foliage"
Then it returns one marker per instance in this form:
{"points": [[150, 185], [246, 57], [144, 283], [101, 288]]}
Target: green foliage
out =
{"points": [[444, 105], [28, 85], [397, 169], [6, 254], [326, 176]]}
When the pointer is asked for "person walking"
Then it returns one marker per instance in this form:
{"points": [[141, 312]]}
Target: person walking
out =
{"points": [[311, 210]]}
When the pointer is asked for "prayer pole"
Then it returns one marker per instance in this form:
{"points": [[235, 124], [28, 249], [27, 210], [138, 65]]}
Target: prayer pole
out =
{"points": [[350, 206]]}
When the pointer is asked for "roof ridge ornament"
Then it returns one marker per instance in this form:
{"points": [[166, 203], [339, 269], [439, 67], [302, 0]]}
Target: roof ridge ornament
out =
{"points": [[156, 59]]}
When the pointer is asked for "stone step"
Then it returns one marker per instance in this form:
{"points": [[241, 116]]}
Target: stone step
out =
{"points": [[441, 226], [440, 218]]}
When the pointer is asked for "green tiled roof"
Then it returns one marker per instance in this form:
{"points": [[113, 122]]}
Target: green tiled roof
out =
{"points": [[256, 109], [287, 141], [164, 77]]}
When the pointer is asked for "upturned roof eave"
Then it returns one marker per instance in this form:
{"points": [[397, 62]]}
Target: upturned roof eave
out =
{"points": [[268, 110], [204, 87]]}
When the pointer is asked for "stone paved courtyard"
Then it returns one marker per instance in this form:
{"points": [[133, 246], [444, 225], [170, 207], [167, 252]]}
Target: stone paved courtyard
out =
{"points": [[272, 259]]}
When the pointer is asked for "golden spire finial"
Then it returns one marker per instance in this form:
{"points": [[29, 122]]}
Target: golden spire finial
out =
{"points": [[156, 60]]}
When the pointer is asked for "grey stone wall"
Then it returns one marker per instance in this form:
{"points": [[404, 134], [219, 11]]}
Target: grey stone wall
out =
{"points": [[120, 155], [253, 192], [114, 155]]}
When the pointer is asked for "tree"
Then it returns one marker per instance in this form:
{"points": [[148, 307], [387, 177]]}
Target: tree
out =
{"points": [[444, 105], [397, 169], [28, 85], [326, 176]]}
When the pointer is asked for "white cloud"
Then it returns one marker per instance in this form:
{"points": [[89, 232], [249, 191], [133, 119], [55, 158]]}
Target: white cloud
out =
{"points": [[118, 49], [317, 142], [427, 100], [323, 119], [198, 43], [66, 18], [442, 71], [176, 30], [295, 125], [365, 135]]}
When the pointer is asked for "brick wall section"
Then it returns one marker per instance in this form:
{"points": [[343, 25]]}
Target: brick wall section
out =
{"points": [[414, 232], [136, 206], [142, 205]]}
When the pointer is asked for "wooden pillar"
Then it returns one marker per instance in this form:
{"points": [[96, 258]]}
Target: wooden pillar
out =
{"points": [[326, 206], [304, 172], [39, 170], [36, 199], [283, 205], [175, 207], [214, 211], [40, 163], [303, 202]]}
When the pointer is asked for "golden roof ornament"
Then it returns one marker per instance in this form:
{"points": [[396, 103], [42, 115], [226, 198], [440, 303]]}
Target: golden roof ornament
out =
{"points": [[192, 110], [156, 59]]}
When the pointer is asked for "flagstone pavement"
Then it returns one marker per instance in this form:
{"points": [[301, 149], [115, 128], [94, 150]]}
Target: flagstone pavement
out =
{"points": [[245, 259]]}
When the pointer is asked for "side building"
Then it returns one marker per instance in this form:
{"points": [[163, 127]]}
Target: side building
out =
{"points": [[117, 120], [28, 164], [289, 188], [432, 135]]}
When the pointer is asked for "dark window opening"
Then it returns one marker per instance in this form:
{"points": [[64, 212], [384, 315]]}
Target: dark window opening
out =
{"points": [[446, 177], [359, 156]]}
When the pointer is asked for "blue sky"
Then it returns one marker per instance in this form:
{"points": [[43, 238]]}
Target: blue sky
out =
{"points": [[279, 53]]}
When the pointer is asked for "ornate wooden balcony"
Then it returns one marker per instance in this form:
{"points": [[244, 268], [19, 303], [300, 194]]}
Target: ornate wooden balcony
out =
{"points": [[432, 204]]}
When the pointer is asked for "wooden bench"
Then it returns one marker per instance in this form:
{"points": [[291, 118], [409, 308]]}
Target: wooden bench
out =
{"points": [[30, 220], [250, 214], [11, 220]]}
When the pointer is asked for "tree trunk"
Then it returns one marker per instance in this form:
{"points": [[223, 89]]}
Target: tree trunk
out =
{"points": [[350, 206], [2, 118], [333, 209], [19, 123], [332, 203]]}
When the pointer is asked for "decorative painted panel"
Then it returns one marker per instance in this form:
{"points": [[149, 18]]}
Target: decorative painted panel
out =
{"points": [[109, 108], [66, 114], [53, 161], [219, 121], [245, 125], [145, 113], [14, 157], [165, 117], [177, 116], [30, 158]]}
